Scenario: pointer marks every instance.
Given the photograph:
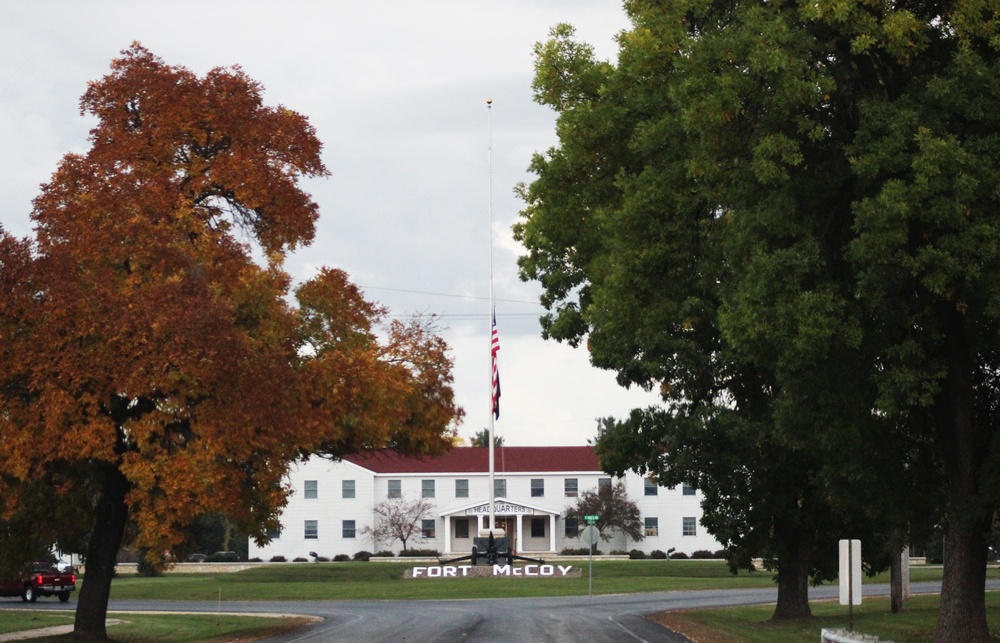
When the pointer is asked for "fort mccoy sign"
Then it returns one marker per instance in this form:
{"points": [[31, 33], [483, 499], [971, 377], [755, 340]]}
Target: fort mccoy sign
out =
{"points": [[503, 571]]}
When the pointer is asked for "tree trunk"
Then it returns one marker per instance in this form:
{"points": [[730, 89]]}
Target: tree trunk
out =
{"points": [[110, 518], [795, 546], [962, 618], [896, 582], [962, 615]]}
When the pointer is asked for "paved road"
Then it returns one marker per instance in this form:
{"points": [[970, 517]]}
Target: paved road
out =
{"points": [[595, 619]]}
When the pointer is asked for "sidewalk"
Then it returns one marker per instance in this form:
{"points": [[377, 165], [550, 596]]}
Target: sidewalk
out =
{"points": [[55, 630]]}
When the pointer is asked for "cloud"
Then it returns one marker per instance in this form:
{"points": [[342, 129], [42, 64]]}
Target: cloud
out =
{"points": [[396, 91]]}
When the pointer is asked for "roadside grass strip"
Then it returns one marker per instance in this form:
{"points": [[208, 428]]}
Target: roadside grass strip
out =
{"points": [[142, 627], [16, 620], [752, 624]]}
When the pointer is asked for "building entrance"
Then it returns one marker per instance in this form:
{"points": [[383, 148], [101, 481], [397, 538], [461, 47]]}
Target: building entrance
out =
{"points": [[509, 525]]}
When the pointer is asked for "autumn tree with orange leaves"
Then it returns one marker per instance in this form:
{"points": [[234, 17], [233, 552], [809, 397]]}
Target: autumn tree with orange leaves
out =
{"points": [[150, 370]]}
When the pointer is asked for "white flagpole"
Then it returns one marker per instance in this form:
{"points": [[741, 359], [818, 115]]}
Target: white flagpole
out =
{"points": [[489, 118]]}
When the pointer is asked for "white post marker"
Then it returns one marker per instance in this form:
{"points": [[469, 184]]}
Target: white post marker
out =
{"points": [[850, 576], [850, 572]]}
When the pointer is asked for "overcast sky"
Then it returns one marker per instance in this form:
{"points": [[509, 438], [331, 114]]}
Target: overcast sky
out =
{"points": [[397, 93]]}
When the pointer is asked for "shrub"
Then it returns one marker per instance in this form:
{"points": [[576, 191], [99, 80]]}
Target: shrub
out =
{"points": [[300, 559], [148, 569], [278, 559], [702, 554], [385, 553], [255, 560], [323, 559], [419, 552], [637, 554], [579, 551], [340, 558], [618, 552], [363, 556], [657, 554], [678, 555], [721, 554]]}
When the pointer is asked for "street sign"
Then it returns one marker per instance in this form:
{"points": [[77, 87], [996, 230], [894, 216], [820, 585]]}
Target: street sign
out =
{"points": [[590, 536], [591, 519]]}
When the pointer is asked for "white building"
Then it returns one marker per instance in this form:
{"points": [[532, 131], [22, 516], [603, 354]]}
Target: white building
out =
{"points": [[332, 503]]}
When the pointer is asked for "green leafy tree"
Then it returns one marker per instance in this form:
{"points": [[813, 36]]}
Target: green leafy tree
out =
{"points": [[616, 512], [211, 533], [697, 224], [604, 426], [630, 255], [482, 439]]}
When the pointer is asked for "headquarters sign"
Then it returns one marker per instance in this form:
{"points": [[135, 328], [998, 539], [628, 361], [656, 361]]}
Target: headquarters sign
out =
{"points": [[500, 507]]}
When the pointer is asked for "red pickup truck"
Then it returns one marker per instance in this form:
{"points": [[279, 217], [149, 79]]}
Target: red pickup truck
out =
{"points": [[40, 579]]}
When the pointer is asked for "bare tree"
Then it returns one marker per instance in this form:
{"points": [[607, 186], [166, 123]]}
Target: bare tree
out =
{"points": [[398, 519]]}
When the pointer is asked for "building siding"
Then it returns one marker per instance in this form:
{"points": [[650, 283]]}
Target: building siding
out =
{"points": [[329, 509]]}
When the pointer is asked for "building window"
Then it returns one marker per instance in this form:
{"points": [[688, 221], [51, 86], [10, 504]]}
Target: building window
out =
{"points": [[426, 488], [274, 534], [570, 487], [462, 528], [348, 488], [312, 529], [652, 526], [538, 527], [349, 529], [395, 489], [649, 487], [690, 527], [500, 487], [572, 526], [427, 528], [462, 488], [688, 490], [311, 490], [603, 483], [538, 487]]}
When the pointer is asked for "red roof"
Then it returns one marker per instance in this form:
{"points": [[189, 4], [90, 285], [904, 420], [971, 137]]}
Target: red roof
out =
{"points": [[477, 460]]}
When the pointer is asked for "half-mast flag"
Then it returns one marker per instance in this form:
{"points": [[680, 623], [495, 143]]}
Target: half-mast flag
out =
{"points": [[494, 349]]}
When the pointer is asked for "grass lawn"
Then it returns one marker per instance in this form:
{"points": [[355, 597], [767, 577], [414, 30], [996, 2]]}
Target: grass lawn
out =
{"points": [[165, 628], [28, 619], [753, 625], [375, 581]]}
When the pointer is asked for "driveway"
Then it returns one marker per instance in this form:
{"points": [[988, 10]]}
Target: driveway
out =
{"points": [[589, 619]]}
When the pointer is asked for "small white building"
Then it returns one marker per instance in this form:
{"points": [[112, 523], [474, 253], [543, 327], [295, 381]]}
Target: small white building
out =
{"points": [[332, 503]]}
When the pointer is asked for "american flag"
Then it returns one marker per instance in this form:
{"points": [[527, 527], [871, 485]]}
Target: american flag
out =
{"points": [[494, 349]]}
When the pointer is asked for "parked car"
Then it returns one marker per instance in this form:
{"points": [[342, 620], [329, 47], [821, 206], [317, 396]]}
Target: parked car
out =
{"points": [[224, 557], [197, 558], [40, 579]]}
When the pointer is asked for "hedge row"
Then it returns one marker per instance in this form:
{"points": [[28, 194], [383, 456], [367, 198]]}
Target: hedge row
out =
{"points": [[703, 554], [362, 556], [634, 554]]}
